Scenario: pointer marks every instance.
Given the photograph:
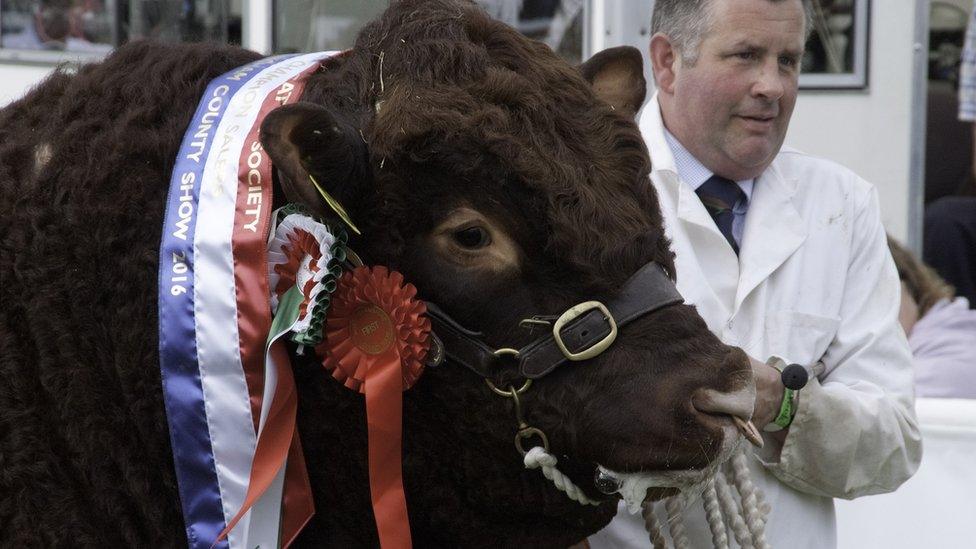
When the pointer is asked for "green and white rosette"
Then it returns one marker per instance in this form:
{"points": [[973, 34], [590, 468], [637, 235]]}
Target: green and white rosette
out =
{"points": [[304, 258]]}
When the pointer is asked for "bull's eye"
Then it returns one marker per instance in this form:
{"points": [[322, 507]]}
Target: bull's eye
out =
{"points": [[472, 238], [468, 240]]}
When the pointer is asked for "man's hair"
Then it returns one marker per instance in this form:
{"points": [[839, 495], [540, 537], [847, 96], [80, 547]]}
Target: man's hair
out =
{"points": [[686, 22]]}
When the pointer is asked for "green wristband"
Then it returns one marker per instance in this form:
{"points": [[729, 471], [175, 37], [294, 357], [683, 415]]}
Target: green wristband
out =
{"points": [[785, 416]]}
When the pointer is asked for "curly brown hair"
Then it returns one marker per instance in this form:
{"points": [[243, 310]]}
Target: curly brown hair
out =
{"points": [[924, 285]]}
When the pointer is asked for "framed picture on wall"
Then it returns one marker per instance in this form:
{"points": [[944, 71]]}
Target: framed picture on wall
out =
{"points": [[837, 52]]}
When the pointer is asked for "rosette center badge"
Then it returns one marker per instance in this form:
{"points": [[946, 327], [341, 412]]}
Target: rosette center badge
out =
{"points": [[371, 330]]}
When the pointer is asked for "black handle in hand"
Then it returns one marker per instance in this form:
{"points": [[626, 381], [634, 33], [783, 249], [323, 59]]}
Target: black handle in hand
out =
{"points": [[794, 377]]}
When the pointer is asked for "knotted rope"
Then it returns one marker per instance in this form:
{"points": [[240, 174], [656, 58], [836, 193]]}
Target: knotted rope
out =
{"points": [[675, 506], [713, 513], [538, 458], [747, 516], [654, 528]]}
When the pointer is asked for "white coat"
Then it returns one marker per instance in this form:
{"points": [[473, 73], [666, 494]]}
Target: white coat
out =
{"points": [[814, 281]]}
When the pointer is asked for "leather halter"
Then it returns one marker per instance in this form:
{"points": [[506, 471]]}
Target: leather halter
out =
{"points": [[580, 333]]}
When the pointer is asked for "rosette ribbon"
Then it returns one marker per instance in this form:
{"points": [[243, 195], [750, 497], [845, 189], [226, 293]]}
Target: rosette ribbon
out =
{"points": [[376, 340], [304, 259], [213, 310], [305, 254]]}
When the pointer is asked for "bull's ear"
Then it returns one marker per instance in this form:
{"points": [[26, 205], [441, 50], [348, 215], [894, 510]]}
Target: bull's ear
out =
{"points": [[303, 140], [617, 77]]}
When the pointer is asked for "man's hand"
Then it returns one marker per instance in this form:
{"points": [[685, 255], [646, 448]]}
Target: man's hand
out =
{"points": [[769, 393]]}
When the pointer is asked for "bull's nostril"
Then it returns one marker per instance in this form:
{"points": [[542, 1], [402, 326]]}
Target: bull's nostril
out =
{"points": [[737, 406]]}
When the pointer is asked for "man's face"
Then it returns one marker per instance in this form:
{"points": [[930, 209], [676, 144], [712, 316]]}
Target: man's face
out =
{"points": [[732, 107]]}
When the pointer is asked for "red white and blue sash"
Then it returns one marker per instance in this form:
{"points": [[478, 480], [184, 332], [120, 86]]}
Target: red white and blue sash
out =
{"points": [[219, 375]]}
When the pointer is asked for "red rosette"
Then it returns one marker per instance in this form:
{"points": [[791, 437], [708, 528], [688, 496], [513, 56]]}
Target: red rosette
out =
{"points": [[376, 339], [374, 314]]}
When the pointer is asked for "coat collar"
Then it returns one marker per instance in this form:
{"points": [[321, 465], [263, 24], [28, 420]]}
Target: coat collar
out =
{"points": [[774, 229], [652, 129], [689, 208], [693, 172]]}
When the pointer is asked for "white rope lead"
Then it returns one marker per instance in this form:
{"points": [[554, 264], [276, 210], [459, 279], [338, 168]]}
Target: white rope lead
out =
{"points": [[537, 458], [653, 526], [748, 522]]}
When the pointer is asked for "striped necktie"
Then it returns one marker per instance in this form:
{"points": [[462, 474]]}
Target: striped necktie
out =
{"points": [[719, 195]]}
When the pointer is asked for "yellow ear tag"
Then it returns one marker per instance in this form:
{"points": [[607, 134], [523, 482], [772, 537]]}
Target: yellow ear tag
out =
{"points": [[334, 204]]}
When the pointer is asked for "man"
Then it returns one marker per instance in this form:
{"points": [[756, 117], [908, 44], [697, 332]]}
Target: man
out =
{"points": [[785, 256]]}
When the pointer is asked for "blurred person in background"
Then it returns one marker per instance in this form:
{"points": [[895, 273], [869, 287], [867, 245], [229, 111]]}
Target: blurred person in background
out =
{"points": [[949, 244], [57, 25], [941, 329], [950, 221]]}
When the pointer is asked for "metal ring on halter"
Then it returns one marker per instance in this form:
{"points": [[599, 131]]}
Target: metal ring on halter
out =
{"points": [[529, 432], [512, 392], [507, 351]]}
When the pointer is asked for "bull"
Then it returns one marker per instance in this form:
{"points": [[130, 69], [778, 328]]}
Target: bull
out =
{"points": [[502, 182]]}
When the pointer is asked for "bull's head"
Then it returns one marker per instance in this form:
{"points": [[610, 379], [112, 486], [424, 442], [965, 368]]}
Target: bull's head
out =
{"points": [[507, 185]]}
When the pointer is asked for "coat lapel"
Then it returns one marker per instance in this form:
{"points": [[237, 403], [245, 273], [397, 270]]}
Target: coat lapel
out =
{"points": [[773, 231], [711, 252]]}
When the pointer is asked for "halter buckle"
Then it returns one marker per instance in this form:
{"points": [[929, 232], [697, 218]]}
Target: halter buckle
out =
{"points": [[572, 314]]}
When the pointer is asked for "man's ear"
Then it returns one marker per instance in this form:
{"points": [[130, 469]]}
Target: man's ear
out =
{"points": [[617, 77], [663, 60], [305, 140]]}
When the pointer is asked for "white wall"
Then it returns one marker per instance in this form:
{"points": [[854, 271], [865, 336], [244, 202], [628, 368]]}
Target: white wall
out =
{"points": [[934, 508], [869, 131], [15, 80]]}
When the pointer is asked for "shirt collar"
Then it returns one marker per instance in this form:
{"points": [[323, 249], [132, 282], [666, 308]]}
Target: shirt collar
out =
{"points": [[693, 172]]}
